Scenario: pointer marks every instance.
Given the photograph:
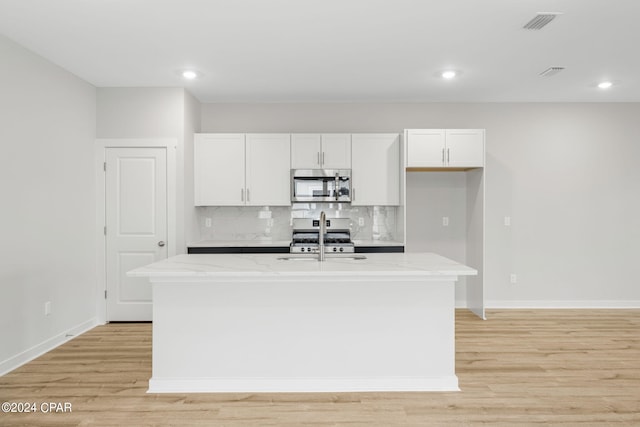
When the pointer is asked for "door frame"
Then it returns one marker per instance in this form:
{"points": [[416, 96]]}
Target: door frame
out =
{"points": [[102, 144]]}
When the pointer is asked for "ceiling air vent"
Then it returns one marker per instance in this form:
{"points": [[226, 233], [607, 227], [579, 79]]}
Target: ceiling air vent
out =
{"points": [[552, 71], [540, 20]]}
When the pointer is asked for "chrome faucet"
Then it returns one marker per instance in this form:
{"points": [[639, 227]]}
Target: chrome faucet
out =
{"points": [[321, 232]]}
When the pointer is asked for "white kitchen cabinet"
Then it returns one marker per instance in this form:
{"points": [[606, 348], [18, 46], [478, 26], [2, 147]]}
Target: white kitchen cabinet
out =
{"points": [[375, 169], [445, 148], [219, 169], [305, 151], [320, 151], [336, 151], [267, 173], [241, 169]]}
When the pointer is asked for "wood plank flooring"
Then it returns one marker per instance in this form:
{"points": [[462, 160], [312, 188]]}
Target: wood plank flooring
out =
{"points": [[520, 367]]}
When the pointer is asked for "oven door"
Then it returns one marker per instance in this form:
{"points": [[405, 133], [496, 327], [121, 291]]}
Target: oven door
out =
{"points": [[320, 185]]}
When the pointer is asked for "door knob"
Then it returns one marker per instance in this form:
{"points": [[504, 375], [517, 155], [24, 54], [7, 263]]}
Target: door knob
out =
{"points": [[161, 243]]}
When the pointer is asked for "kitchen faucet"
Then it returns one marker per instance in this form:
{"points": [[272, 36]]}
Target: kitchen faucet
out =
{"points": [[321, 232]]}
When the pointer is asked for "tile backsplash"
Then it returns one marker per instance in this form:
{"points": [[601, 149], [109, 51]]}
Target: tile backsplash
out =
{"points": [[274, 222]]}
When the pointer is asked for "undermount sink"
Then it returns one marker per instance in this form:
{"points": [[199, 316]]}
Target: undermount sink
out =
{"points": [[315, 257]]}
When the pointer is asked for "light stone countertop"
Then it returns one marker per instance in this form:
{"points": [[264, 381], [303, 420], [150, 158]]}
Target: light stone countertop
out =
{"points": [[238, 243], [272, 265]]}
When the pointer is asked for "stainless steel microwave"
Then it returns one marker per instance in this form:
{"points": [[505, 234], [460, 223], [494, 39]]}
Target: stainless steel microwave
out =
{"points": [[321, 185]]}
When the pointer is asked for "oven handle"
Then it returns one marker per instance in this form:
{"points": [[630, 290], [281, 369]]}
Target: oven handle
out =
{"points": [[337, 186]]}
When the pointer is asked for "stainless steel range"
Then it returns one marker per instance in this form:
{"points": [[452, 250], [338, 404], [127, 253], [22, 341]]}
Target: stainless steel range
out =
{"points": [[337, 238]]}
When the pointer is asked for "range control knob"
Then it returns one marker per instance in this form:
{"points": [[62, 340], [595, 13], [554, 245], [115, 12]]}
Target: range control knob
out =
{"points": [[335, 249], [341, 249]]}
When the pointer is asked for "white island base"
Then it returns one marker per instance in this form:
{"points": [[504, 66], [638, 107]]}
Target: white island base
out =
{"points": [[254, 323]]}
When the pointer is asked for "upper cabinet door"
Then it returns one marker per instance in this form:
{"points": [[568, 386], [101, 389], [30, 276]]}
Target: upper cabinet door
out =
{"points": [[445, 148], [267, 170], [336, 151], [426, 148], [375, 169], [219, 169], [321, 151], [465, 148], [305, 151]]}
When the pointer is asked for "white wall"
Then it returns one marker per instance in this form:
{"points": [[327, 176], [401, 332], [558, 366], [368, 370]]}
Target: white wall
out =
{"points": [[156, 113], [430, 197], [139, 112], [47, 132], [566, 174]]}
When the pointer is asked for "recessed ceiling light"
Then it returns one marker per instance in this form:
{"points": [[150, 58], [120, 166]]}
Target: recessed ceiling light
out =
{"points": [[605, 85], [189, 74], [449, 74]]}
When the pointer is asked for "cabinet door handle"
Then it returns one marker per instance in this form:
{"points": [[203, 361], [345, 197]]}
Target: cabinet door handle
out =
{"points": [[443, 155], [318, 157], [247, 195], [353, 194], [242, 194], [323, 157], [447, 156]]}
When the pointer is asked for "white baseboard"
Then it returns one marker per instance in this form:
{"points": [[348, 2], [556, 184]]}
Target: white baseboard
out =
{"points": [[461, 304], [564, 304], [301, 385], [38, 350]]}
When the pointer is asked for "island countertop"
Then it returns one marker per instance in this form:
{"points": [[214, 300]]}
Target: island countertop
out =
{"points": [[264, 265]]}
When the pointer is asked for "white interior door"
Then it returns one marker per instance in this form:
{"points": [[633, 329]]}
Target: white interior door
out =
{"points": [[136, 227]]}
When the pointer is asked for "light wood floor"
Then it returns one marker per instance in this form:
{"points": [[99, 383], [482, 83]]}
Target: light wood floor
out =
{"points": [[520, 367]]}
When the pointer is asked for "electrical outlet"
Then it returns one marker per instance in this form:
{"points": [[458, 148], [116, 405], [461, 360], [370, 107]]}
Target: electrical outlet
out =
{"points": [[445, 221], [207, 222], [507, 221], [47, 308], [361, 222], [513, 278]]}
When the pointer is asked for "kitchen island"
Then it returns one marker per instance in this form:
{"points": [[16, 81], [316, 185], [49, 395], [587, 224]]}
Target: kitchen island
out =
{"points": [[259, 323]]}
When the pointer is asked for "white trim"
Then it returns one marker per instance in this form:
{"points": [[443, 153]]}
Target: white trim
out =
{"points": [[613, 304], [102, 144], [298, 385], [38, 350]]}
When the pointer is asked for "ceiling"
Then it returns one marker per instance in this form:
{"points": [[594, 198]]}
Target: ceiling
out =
{"points": [[340, 50]]}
